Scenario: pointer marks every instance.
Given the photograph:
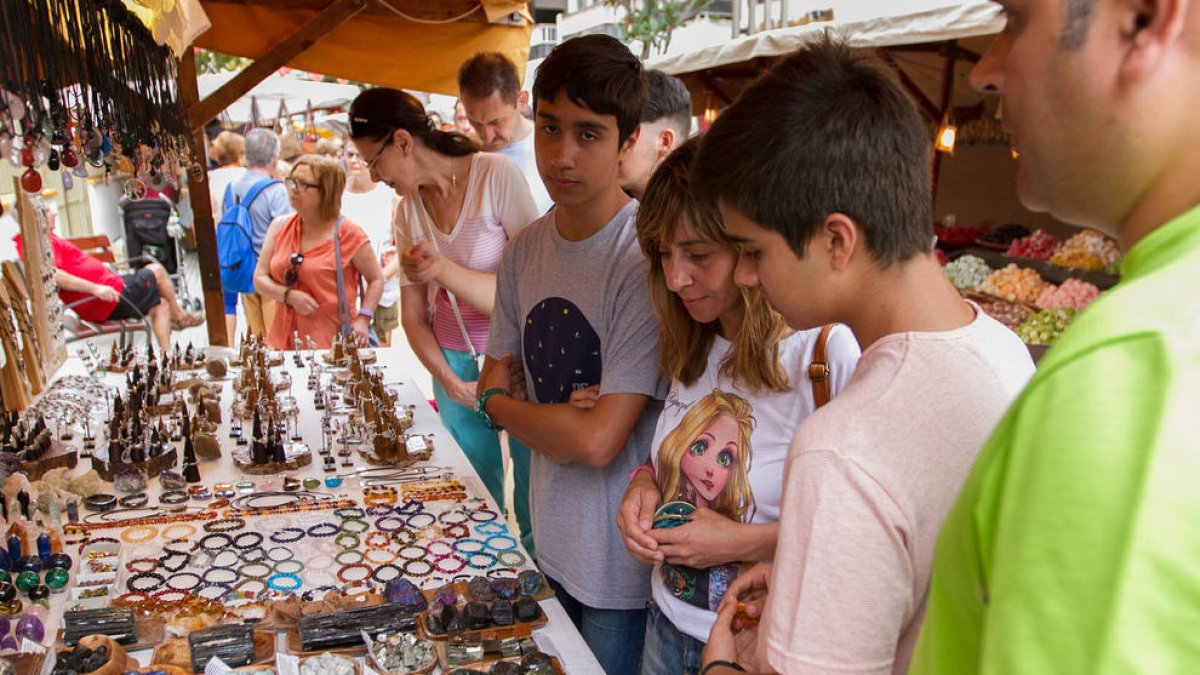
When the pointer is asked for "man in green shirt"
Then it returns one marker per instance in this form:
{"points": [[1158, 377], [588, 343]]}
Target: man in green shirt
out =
{"points": [[1074, 546]]}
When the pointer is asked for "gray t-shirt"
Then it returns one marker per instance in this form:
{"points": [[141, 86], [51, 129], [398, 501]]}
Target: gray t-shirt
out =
{"points": [[578, 313], [271, 203]]}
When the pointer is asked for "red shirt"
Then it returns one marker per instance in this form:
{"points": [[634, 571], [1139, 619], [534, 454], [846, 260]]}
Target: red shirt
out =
{"points": [[71, 259]]}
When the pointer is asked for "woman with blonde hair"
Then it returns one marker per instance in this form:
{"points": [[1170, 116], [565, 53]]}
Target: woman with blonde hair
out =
{"points": [[739, 377], [312, 261]]}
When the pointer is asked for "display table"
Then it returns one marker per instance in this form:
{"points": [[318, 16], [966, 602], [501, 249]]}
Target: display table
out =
{"points": [[558, 637]]}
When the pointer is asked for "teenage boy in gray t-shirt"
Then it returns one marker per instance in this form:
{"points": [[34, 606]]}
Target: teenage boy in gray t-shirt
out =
{"points": [[572, 304]]}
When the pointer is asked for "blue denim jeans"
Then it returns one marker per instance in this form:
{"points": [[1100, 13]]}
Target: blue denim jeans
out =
{"points": [[615, 636], [668, 651]]}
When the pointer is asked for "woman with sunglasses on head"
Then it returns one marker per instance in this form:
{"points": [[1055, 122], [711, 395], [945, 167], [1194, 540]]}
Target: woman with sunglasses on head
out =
{"points": [[298, 265], [460, 208]]}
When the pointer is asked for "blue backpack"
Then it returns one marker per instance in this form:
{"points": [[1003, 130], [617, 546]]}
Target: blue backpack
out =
{"points": [[235, 243]]}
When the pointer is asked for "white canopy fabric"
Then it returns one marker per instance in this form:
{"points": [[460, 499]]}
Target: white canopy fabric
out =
{"points": [[963, 19], [294, 92]]}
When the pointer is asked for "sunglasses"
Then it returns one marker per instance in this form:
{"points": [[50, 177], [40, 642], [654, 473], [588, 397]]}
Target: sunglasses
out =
{"points": [[292, 274]]}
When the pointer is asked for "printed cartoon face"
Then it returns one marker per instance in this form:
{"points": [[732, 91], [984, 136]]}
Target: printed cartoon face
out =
{"points": [[709, 457]]}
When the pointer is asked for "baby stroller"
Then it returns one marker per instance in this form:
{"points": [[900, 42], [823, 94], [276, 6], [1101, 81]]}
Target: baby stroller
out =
{"points": [[152, 229]]}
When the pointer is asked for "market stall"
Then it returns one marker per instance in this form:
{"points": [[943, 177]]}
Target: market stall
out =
{"points": [[327, 499]]}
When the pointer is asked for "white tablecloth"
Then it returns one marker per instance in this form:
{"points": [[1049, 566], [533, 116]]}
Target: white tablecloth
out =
{"points": [[559, 637]]}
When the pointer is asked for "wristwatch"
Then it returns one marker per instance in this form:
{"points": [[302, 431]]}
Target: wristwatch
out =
{"points": [[481, 407]]}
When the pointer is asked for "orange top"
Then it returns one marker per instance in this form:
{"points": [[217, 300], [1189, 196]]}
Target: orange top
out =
{"points": [[317, 276]]}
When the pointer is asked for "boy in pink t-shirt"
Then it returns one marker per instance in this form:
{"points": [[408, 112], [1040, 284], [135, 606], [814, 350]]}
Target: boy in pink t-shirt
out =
{"points": [[831, 206]]}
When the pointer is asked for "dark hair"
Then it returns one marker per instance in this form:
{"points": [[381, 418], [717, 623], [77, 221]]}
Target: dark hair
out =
{"points": [[599, 73], [843, 138], [486, 72], [376, 113], [683, 344], [668, 98], [1078, 18]]}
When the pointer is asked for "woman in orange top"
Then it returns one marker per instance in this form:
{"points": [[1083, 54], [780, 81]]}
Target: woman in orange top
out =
{"points": [[297, 265]]}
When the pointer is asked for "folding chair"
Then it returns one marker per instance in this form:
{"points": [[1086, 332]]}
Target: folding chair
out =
{"points": [[99, 247]]}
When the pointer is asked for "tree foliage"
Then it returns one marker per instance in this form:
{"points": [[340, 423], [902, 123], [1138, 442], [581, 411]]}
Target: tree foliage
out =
{"points": [[216, 62], [652, 22]]}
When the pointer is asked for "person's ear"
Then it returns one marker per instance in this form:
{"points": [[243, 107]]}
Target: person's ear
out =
{"points": [[666, 142], [1148, 28], [627, 146], [404, 141], [522, 101], [839, 238]]}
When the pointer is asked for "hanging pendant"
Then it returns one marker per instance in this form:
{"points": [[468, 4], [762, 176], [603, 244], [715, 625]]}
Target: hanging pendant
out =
{"points": [[31, 180]]}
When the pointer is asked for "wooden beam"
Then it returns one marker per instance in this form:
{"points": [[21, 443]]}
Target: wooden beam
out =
{"points": [[334, 15], [202, 222], [923, 101], [712, 86]]}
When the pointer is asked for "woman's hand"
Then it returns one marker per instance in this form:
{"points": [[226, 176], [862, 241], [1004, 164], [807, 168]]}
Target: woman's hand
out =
{"points": [[362, 330], [421, 263], [708, 539], [636, 518], [462, 393], [302, 302], [585, 399]]}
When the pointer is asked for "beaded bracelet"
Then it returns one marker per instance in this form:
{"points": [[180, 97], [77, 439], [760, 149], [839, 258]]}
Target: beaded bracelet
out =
{"points": [[250, 570], [224, 558], [323, 530], [437, 554], [453, 517], [410, 508], [167, 561], [239, 542], [100, 502], [230, 524], [133, 582], [468, 547], [272, 557], [360, 525], [338, 558], [138, 565], [171, 584], [488, 515], [390, 523], [134, 501], [456, 531], [224, 490], [377, 510], [311, 594], [413, 553], [490, 528], [293, 567], [351, 537], [379, 556], [350, 512], [342, 576], [252, 555], [138, 534], [440, 564], [509, 539], [242, 590], [131, 599], [377, 540], [222, 590], [178, 531], [379, 576], [171, 598], [489, 557], [287, 535], [204, 543], [276, 582], [410, 573], [227, 570], [510, 558]]}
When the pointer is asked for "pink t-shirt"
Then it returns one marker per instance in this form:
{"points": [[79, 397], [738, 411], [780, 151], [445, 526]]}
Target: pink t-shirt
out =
{"points": [[497, 205], [868, 479]]}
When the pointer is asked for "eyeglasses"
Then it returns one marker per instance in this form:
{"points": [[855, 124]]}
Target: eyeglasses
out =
{"points": [[299, 185], [371, 164], [292, 274]]}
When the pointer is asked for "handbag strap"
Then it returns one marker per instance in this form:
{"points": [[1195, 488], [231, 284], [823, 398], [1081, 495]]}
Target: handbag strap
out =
{"points": [[343, 303], [818, 369], [427, 225]]}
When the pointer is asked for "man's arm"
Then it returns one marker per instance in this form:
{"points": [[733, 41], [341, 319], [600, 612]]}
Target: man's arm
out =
{"points": [[560, 431], [70, 282]]}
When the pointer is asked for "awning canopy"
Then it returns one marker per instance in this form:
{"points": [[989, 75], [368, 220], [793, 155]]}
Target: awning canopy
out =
{"points": [[410, 44], [293, 92]]}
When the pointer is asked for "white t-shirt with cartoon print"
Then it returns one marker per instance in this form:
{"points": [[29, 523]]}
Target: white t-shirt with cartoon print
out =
{"points": [[701, 456]]}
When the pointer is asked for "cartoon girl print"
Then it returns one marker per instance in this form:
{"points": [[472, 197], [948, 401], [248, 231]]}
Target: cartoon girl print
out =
{"points": [[705, 459]]}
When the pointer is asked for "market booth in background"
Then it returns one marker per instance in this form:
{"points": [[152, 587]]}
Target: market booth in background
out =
{"points": [[1027, 269]]}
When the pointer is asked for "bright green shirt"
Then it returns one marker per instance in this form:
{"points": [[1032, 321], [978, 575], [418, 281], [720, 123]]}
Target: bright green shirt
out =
{"points": [[1074, 546]]}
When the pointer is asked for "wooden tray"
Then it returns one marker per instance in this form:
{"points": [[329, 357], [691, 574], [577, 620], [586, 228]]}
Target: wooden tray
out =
{"points": [[27, 664], [291, 645], [149, 632], [485, 665], [461, 587], [357, 668], [176, 652], [276, 620]]}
